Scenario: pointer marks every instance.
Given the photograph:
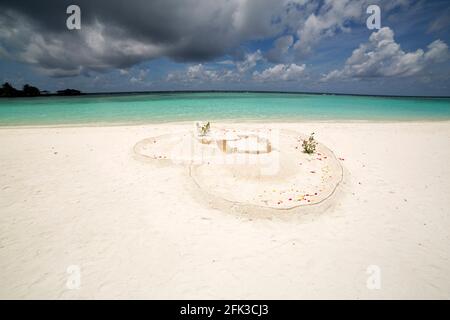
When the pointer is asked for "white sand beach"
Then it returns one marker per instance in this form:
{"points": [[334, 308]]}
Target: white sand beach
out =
{"points": [[79, 197]]}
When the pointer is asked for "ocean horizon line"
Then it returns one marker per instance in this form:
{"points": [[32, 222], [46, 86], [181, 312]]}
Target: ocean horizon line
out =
{"points": [[97, 93]]}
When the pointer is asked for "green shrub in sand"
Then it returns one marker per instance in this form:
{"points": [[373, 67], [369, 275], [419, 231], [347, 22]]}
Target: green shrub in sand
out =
{"points": [[203, 129], [309, 146]]}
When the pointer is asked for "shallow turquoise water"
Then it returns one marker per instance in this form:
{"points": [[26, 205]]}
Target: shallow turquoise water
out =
{"points": [[162, 107]]}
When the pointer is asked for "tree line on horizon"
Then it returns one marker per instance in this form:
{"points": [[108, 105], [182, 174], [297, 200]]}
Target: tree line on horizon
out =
{"points": [[8, 91]]}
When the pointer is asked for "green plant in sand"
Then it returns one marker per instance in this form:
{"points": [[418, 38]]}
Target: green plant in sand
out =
{"points": [[309, 146], [203, 129]]}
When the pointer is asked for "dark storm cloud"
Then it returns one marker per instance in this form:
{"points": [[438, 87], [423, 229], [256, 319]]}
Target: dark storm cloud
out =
{"points": [[122, 33]]}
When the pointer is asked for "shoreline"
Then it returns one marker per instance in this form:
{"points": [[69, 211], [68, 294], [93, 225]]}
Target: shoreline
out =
{"points": [[223, 121]]}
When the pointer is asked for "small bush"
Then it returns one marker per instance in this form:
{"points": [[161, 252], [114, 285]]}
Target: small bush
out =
{"points": [[309, 146], [203, 129]]}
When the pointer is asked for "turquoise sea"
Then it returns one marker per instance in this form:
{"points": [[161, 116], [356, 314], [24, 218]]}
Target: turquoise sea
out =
{"points": [[164, 107]]}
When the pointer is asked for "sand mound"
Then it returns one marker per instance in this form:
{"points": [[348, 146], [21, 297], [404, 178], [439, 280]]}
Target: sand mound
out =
{"points": [[278, 175]]}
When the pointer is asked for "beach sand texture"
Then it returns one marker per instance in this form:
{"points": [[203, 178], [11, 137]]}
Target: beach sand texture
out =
{"points": [[80, 196]]}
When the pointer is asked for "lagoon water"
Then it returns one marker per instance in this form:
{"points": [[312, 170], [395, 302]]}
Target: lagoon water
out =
{"points": [[164, 107]]}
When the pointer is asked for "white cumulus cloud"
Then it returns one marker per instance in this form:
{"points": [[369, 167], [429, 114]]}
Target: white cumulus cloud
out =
{"points": [[285, 72], [200, 73], [333, 17], [249, 62], [383, 57]]}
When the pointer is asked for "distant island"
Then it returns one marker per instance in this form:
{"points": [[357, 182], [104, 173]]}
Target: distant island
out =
{"points": [[8, 91], [68, 92]]}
